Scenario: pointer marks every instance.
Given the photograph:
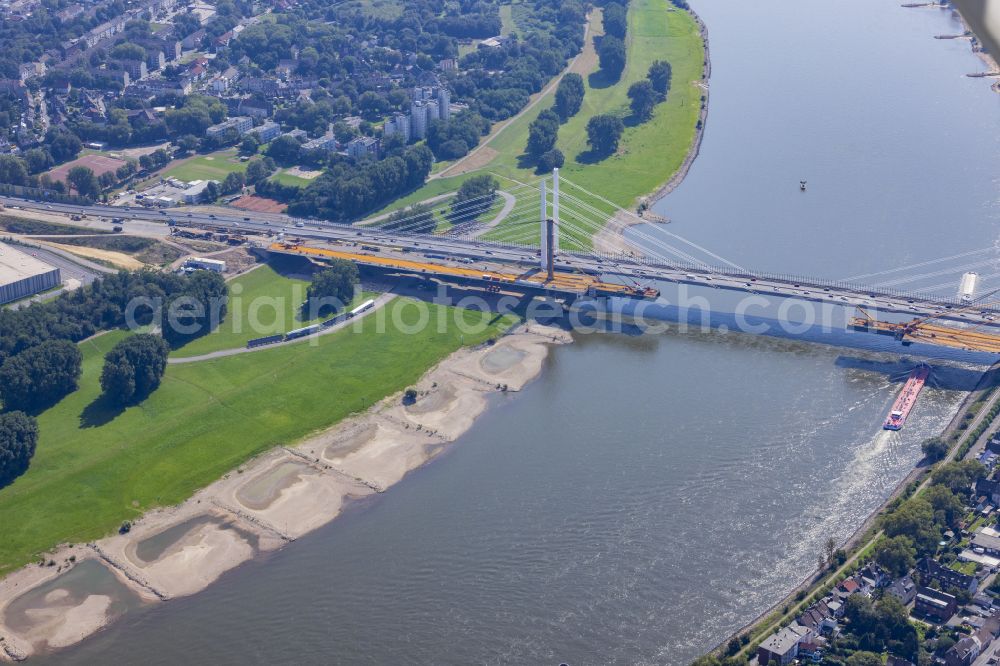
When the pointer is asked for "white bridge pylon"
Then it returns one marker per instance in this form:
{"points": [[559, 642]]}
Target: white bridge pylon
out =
{"points": [[549, 225]]}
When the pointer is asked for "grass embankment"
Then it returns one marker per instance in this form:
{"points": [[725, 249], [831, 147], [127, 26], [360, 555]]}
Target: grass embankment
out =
{"points": [[146, 250], [96, 466], [650, 153], [261, 302], [28, 227], [215, 166]]}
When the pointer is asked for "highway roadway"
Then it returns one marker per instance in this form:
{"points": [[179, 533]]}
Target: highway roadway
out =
{"points": [[630, 270]]}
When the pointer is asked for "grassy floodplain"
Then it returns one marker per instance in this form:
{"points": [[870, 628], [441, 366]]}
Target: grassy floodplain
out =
{"points": [[265, 296], [650, 153], [96, 466]]}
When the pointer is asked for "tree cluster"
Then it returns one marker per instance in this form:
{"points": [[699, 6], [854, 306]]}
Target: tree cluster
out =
{"points": [[196, 308], [39, 376], [454, 138], [569, 96], [418, 219], [133, 368], [603, 134], [18, 438], [332, 288], [76, 315], [474, 198], [345, 191]]}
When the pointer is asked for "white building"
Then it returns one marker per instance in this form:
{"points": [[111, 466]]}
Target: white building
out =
{"points": [[22, 275], [192, 194], [202, 263], [398, 124], [362, 146], [241, 124], [268, 131]]}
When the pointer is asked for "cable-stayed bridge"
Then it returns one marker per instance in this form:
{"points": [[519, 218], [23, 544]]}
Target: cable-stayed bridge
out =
{"points": [[556, 238]]}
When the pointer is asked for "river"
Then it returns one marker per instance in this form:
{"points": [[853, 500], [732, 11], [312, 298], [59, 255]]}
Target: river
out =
{"points": [[649, 494]]}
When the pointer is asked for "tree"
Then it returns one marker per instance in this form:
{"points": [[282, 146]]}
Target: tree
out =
{"points": [[133, 368], [959, 476], [284, 150], [643, 99], [550, 160], [258, 170], [896, 555], [332, 288], [615, 20], [603, 133], [196, 308], [569, 96], [233, 183], [13, 170], [612, 55], [418, 219], [40, 375], [211, 192], [474, 197], [948, 508], [914, 518], [83, 180], [864, 658], [250, 144], [659, 76], [63, 144], [543, 132], [18, 437], [934, 448]]}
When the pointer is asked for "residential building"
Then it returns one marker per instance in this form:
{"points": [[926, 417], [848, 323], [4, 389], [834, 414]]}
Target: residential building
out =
{"points": [[398, 124], [964, 652], [783, 645], [104, 31], [362, 146], [242, 124], [327, 143], [946, 577], [267, 131], [903, 589], [934, 604], [136, 69], [31, 70], [990, 488], [194, 39]]}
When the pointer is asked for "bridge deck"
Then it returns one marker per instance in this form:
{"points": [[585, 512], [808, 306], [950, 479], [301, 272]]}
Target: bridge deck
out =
{"points": [[573, 283]]}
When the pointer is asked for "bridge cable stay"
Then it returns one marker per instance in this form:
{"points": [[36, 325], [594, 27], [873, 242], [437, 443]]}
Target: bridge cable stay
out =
{"points": [[414, 224], [933, 274], [587, 226], [984, 280], [644, 236], [417, 219], [637, 231], [658, 228], [919, 264]]}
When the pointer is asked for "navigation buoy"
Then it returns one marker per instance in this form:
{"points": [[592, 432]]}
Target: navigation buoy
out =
{"points": [[802, 185]]}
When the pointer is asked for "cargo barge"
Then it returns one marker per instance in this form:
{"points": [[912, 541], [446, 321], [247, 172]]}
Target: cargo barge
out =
{"points": [[907, 398]]}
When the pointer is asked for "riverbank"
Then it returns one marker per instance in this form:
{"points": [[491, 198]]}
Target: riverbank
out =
{"points": [[982, 19], [865, 535], [261, 505]]}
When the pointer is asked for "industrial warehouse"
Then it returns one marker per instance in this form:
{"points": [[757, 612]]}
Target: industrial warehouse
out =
{"points": [[22, 275]]}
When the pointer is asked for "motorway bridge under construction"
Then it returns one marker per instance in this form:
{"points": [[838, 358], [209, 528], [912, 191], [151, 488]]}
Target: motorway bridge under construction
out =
{"points": [[532, 260]]}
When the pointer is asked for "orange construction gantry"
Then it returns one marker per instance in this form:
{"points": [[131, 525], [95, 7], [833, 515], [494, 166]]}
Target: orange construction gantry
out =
{"points": [[575, 283]]}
